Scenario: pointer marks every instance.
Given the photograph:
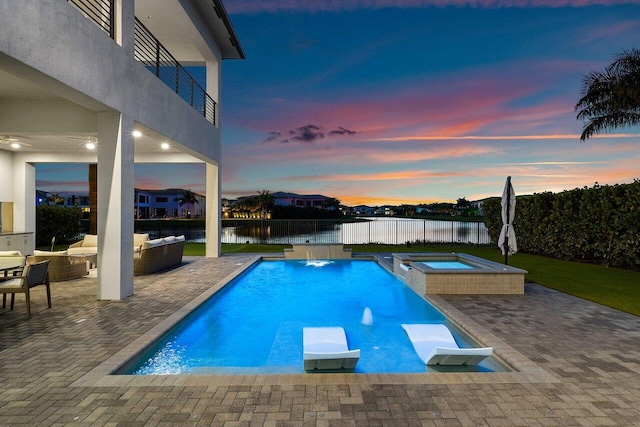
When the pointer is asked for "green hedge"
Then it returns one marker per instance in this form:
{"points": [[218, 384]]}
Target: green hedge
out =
{"points": [[599, 224], [60, 222]]}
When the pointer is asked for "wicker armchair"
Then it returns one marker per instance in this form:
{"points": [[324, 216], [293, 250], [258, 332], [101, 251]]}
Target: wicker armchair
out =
{"points": [[63, 266]]}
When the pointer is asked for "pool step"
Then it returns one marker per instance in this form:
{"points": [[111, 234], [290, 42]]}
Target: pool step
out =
{"points": [[287, 345]]}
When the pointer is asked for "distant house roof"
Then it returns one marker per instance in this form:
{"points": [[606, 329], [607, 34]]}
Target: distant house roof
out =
{"points": [[283, 195], [168, 191]]}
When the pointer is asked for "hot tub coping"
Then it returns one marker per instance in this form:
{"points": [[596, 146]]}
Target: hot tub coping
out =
{"points": [[484, 266]]}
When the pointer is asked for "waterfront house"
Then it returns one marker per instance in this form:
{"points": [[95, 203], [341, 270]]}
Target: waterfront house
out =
{"points": [[103, 82], [165, 204]]}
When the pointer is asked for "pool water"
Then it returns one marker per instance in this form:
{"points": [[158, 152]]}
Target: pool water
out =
{"points": [[448, 265], [254, 324]]}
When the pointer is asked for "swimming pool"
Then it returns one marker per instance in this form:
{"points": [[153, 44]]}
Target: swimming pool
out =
{"points": [[254, 324]]}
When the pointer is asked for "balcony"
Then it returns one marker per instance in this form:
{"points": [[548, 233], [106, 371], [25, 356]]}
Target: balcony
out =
{"points": [[153, 55]]}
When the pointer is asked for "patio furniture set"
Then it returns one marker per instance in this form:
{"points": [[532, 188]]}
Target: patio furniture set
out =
{"points": [[19, 273]]}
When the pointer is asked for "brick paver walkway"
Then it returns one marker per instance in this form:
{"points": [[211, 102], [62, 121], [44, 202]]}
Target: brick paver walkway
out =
{"points": [[581, 364]]}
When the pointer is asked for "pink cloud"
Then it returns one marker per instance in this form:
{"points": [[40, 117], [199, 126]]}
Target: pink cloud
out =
{"points": [[273, 6], [382, 176], [612, 31], [47, 185], [149, 183], [472, 101]]}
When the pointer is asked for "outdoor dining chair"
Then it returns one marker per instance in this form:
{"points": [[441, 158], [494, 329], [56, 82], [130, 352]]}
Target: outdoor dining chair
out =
{"points": [[33, 275]]}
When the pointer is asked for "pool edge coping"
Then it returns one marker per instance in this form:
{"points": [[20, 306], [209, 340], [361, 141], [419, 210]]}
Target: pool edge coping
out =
{"points": [[526, 371]]}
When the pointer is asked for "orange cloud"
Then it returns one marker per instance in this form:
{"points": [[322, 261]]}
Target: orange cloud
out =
{"points": [[382, 176]]}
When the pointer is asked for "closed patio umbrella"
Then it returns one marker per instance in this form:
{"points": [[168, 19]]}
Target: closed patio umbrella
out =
{"points": [[507, 240]]}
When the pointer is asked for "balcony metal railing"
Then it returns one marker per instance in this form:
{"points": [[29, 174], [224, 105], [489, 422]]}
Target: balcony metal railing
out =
{"points": [[157, 59], [99, 11]]}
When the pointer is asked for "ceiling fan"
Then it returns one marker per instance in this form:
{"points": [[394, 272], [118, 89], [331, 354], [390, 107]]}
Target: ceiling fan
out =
{"points": [[89, 142], [11, 140]]}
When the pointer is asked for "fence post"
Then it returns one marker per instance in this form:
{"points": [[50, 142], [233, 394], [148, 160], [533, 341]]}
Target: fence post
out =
{"points": [[396, 239], [424, 232], [452, 225]]}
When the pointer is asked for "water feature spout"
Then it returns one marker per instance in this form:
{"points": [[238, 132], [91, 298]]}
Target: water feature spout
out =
{"points": [[367, 317]]}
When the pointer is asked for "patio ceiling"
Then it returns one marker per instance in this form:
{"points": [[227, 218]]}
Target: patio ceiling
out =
{"points": [[169, 22], [15, 89]]}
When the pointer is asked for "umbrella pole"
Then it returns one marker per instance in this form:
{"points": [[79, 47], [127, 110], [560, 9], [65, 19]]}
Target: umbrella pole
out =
{"points": [[506, 237]]}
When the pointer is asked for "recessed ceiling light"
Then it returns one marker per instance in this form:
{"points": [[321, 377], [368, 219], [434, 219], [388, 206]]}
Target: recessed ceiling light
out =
{"points": [[90, 146], [164, 146], [15, 145], [137, 133]]}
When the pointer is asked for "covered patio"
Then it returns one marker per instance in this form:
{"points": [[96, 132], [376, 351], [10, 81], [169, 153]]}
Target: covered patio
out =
{"points": [[110, 88]]}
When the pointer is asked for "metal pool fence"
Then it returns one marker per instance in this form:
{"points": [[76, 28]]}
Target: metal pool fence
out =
{"points": [[392, 231]]}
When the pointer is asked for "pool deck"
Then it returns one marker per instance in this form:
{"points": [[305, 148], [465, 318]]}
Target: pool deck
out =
{"points": [[580, 365]]}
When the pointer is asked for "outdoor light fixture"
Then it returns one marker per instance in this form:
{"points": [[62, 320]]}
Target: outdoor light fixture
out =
{"points": [[15, 145], [164, 146], [137, 134], [90, 145]]}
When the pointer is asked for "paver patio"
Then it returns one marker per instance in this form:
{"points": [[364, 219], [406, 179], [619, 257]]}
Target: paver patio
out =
{"points": [[581, 364]]}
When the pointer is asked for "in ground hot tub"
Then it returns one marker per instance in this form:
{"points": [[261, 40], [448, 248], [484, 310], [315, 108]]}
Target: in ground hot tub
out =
{"points": [[453, 273]]}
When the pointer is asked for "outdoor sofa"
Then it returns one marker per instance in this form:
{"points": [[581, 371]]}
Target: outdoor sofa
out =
{"points": [[89, 244], [158, 254]]}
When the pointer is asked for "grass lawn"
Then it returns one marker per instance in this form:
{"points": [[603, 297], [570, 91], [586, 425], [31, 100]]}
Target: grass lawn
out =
{"points": [[616, 288]]}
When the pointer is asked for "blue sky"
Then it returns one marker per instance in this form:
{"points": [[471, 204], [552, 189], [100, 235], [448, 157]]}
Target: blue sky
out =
{"points": [[409, 101]]}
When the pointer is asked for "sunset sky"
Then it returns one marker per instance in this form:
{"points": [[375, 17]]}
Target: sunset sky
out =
{"points": [[411, 101]]}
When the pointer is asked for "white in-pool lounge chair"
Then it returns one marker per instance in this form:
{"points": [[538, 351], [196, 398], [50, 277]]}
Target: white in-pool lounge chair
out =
{"points": [[436, 346], [325, 348]]}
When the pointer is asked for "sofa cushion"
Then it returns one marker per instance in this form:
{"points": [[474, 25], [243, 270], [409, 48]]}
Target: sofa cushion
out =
{"points": [[81, 250], [152, 243], [180, 238], [169, 239], [47, 253], [90, 240], [139, 238], [10, 253]]}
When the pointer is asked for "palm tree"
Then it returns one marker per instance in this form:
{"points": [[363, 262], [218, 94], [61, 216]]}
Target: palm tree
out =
{"points": [[611, 98], [265, 202], [55, 198], [331, 203], [187, 197]]}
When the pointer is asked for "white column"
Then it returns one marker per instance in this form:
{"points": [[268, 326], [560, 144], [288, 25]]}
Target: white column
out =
{"points": [[213, 224], [6, 176], [125, 19], [115, 206], [24, 197], [213, 80]]}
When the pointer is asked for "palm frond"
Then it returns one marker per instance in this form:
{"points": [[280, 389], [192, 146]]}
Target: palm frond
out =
{"points": [[611, 98]]}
